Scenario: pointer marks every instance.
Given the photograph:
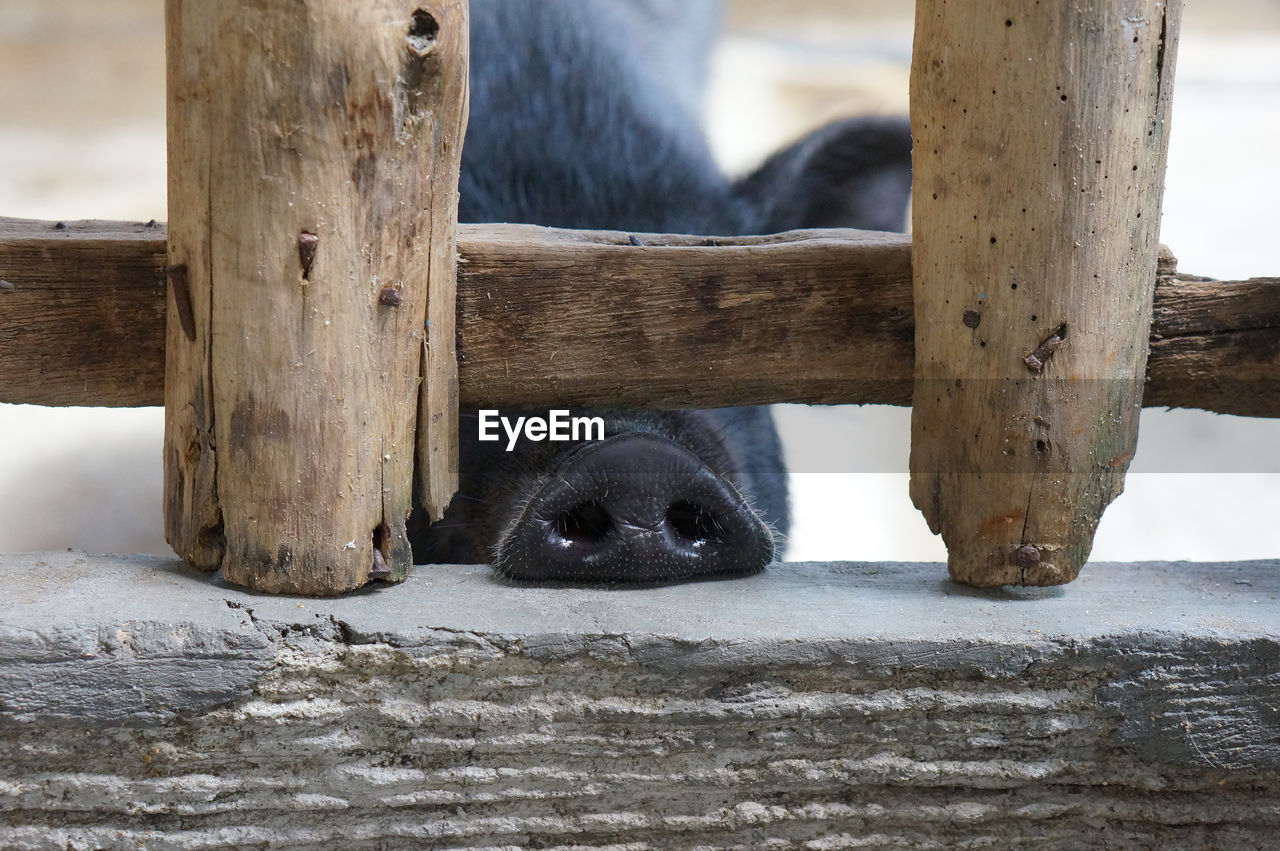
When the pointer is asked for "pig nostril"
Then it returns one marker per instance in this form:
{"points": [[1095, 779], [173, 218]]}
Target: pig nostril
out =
{"points": [[588, 523], [691, 521]]}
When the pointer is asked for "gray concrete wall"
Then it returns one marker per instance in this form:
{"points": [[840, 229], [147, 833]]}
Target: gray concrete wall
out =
{"points": [[816, 706]]}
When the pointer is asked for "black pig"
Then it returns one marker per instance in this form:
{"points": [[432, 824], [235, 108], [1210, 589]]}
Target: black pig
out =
{"points": [[573, 125]]}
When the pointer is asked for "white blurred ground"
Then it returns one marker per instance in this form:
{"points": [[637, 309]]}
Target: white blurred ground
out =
{"points": [[82, 95]]}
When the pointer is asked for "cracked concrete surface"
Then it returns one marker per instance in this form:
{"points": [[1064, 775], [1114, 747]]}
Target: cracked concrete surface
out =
{"points": [[838, 705]]}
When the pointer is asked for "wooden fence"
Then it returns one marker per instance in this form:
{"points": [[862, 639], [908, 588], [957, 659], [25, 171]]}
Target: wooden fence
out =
{"points": [[308, 321], [538, 308]]}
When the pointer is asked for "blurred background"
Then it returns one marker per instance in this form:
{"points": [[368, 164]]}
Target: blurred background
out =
{"points": [[83, 136]]}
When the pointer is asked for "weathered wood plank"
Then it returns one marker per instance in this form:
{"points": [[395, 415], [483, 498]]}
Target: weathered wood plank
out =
{"points": [[682, 321], [439, 100], [84, 321], [193, 522], [1038, 162], [313, 190], [82, 307], [1215, 345]]}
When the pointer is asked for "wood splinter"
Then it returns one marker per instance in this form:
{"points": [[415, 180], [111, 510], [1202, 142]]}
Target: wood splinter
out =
{"points": [[177, 276], [380, 570]]}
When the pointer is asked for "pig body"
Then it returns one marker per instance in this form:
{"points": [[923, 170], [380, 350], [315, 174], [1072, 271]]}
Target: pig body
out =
{"points": [[584, 114]]}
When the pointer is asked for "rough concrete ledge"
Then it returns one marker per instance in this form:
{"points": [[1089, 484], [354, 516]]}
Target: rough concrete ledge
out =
{"points": [[816, 706]]}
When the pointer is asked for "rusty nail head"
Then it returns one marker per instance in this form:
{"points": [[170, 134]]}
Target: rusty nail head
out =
{"points": [[307, 243], [1026, 556]]}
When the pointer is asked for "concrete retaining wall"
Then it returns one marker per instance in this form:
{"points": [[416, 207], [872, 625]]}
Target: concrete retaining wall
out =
{"points": [[814, 706]]}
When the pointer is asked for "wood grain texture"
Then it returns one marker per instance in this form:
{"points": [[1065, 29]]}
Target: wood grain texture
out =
{"points": [[82, 309], [1215, 345], [443, 113], [557, 317], [193, 523], [84, 321], [309, 235], [1038, 163]]}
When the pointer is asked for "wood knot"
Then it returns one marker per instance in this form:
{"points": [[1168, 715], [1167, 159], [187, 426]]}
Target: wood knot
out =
{"points": [[423, 31]]}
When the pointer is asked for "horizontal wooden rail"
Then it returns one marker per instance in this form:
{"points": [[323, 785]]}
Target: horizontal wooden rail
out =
{"points": [[550, 317]]}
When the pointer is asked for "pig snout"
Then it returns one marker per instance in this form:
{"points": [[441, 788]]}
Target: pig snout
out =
{"points": [[634, 508]]}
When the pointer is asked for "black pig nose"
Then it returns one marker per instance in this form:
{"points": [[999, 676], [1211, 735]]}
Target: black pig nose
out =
{"points": [[634, 508]]}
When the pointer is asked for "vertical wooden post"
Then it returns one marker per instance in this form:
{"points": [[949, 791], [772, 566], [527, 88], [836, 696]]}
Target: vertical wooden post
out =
{"points": [[313, 165], [1040, 137]]}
